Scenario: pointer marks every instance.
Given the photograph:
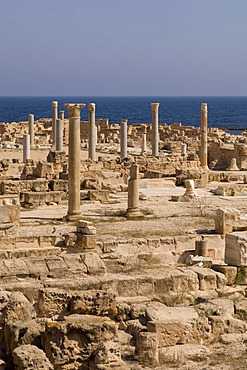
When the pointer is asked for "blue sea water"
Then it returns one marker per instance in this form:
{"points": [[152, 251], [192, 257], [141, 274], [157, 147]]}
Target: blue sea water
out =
{"points": [[223, 112]]}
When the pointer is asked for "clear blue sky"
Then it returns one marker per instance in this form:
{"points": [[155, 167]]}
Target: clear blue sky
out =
{"points": [[123, 47]]}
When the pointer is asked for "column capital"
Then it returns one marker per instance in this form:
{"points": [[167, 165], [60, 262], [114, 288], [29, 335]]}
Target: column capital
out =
{"points": [[54, 104], [124, 121], [91, 107], [204, 107], [74, 109], [155, 107]]}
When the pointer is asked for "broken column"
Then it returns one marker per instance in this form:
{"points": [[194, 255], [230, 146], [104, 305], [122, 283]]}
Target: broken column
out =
{"points": [[59, 135], [74, 161], [31, 129], [62, 115], [26, 147], [236, 249], [133, 192], [204, 134], [91, 132], [54, 119], [155, 129], [190, 189], [123, 139]]}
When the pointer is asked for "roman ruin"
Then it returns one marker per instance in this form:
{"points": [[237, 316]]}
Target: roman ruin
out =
{"points": [[124, 262]]}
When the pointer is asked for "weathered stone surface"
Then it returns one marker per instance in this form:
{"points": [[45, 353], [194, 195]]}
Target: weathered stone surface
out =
{"points": [[18, 308], [53, 302], [28, 357], [241, 309], [108, 356], [179, 355], [82, 333], [236, 249], [94, 264], [147, 349], [230, 272]]}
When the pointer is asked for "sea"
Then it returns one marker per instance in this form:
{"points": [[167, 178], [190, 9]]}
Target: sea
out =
{"points": [[229, 113]]}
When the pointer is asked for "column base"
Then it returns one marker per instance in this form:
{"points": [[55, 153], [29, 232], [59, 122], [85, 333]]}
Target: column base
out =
{"points": [[73, 217], [133, 213]]}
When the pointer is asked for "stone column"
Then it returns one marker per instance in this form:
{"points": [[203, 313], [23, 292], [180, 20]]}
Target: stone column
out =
{"points": [[183, 149], [144, 143], [91, 132], [123, 139], [26, 147], [155, 129], [204, 134], [54, 119], [233, 165], [31, 129], [62, 115], [59, 135], [74, 161], [133, 192]]}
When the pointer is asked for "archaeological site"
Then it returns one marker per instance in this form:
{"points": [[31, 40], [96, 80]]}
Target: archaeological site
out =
{"points": [[122, 246]]}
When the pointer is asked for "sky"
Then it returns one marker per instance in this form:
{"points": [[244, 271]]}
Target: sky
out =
{"points": [[123, 48]]}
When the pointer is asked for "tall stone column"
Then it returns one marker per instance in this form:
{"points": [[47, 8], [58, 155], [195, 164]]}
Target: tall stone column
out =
{"points": [[155, 129], [54, 119], [74, 161], [133, 193], [91, 132], [204, 136], [26, 147], [123, 139], [183, 149], [31, 129], [59, 135], [62, 115]]}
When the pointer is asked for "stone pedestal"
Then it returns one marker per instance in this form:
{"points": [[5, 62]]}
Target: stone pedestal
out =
{"points": [[91, 132], [201, 248], [233, 165], [31, 130], [54, 119], [59, 135], [204, 134], [26, 147], [133, 193], [155, 129], [74, 161], [123, 139], [144, 143]]}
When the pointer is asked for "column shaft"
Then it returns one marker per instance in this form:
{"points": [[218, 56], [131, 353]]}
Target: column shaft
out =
{"points": [[54, 119], [204, 134], [91, 132], [31, 129], [155, 129], [123, 139], [59, 135], [26, 147]]}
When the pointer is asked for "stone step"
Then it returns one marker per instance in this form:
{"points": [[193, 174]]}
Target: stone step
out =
{"points": [[28, 252]]}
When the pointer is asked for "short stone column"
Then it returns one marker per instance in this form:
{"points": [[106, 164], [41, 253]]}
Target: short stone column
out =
{"points": [[144, 143], [204, 136], [54, 120], [183, 149], [123, 138], [26, 147], [91, 132], [59, 135], [233, 165], [74, 161], [201, 247], [31, 130], [155, 129], [133, 193], [190, 189], [62, 115]]}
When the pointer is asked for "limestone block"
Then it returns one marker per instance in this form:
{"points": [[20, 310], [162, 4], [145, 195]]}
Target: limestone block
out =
{"points": [[86, 227], [58, 185], [108, 356], [87, 241], [18, 308], [94, 302], [101, 195], [16, 267], [236, 249], [53, 302], [207, 278], [37, 267], [29, 357], [147, 349], [70, 343], [10, 212], [94, 264], [241, 310], [56, 266], [230, 272], [75, 264], [179, 355]]}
